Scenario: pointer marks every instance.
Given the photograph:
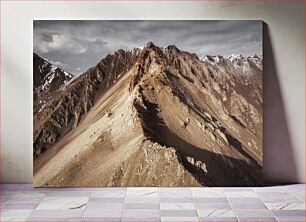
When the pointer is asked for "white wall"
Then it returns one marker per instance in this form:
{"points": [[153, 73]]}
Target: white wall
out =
{"points": [[284, 88]]}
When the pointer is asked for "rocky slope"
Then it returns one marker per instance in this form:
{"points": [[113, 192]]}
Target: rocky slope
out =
{"points": [[58, 115], [154, 117], [47, 79]]}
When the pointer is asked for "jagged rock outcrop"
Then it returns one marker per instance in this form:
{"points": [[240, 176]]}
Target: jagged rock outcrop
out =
{"points": [[154, 117], [47, 79], [66, 108]]}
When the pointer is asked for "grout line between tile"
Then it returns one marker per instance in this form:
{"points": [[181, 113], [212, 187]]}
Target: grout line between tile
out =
{"points": [[198, 214], [298, 197], [265, 205], [123, 207], [90, 193], [35, 207], [5, 202], [231, 205], [158, 195]]}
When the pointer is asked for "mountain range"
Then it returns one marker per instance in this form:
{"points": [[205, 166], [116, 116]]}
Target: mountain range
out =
{"points": [[150, 116]]}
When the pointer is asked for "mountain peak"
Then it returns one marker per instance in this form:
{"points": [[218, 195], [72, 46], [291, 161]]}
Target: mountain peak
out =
{"points": [[235, 56], [212, 59], [173, 47], [48, 80], [150, 45], [159, 106]]}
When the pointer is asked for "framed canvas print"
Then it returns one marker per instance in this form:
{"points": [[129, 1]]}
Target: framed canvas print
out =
{"points": [[147, 103]]}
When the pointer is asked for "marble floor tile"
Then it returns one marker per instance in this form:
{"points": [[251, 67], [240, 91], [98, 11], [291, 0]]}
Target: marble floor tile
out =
{"points": [[4, 196], [109, 194], [179, 213], [2, 205], [142, 200], [24, 200], [299, 192], [142, 192], [248, 206], [144, 219], [216, 213], [256, 219], [289, 213], [15, 214], [291, 219], [274, 196], [246, 203], [179, 219], [285, 206], [206, 188], [219, 219], [27, 187], [101, 219], [141, 206], [91, 205], [63, 203], [176, 199], [254, 213], [68, 194], [54, 219], [103, 213], [142, 213], [73, 189], [56, 213], [210, 200], [25, 194], [10, 186], [3, 200], [177, 189], [296, 186], [175, 193], [300, 195], [20, 206], [177, 206], [237, 189], [240, 194], [30, 188], [208, 193], [105, 200], [94, 189], [281, 200], [279, 189], [246, 200], [140, 219], [224, 205]]}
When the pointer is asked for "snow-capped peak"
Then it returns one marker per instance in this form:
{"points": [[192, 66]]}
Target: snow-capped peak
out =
{"points": [[234, 57], [213, 60], [135, 50], [239, 60], [257, 60], [50, 72], [140, 47]]}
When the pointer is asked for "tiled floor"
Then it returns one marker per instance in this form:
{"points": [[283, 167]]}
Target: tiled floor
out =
{"points": [[20, 202]]}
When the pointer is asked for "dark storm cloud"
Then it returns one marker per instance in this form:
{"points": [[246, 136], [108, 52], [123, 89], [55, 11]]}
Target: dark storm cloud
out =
{"points": [[77, 45]]}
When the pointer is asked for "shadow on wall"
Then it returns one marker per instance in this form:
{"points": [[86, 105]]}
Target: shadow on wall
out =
{"points": [[279, 163]]}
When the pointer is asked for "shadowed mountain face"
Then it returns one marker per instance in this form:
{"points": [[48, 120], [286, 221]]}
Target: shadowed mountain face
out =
{"points": [[150, 117]]}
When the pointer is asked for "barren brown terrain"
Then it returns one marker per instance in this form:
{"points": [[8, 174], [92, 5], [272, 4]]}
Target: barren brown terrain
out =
{"points": [[152, 117]]}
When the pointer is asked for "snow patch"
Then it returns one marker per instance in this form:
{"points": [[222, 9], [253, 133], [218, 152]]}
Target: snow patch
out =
{"points": [[140, 47], [212, 60]]}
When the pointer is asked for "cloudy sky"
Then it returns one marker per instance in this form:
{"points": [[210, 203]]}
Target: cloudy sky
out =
{"points": [[76, 46]]}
